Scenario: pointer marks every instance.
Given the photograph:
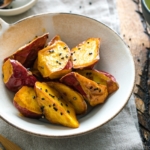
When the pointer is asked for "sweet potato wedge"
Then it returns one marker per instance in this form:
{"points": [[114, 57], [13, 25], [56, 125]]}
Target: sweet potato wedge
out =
{"points": [[25, 101], [86, 54], [74, 97], [94, 93], [54, 60], [15, 75], [55, 108], [54, 39], [27, 54], [101, 77]]}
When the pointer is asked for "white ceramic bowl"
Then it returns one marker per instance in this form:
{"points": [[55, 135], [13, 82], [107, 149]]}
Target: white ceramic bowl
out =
{"points": [[17, 7], [116, 59]]}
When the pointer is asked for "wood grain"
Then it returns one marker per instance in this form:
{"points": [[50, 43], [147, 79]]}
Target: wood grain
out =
{"points": [[136, 36], [8, 144], [132, 32]]}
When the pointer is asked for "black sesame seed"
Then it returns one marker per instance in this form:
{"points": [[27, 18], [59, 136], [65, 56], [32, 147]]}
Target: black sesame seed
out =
{"points": [[74, 98], [95, 89], [42, 98], [91, 87], [79, 48], [62, 57], [60, 54], [33, 97], [49, 105], [54, 104], [42, 108], [66, 56], [55, 109], [88, 73], [74, 59], [59, 63], [46, 90], [138, 60], [61, 113], [68, 111], [51, 51], [90, 53], [65, 47], [88, 42], [51, 95]]}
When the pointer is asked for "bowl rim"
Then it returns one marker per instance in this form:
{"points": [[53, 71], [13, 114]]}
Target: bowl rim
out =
{"points": [[94, 128], [145, 6]]}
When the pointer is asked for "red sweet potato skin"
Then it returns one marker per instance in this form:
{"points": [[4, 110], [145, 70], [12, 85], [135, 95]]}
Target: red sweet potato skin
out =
{"points": [[70, 80], [25, 112], [27, 54], [20, 76]]}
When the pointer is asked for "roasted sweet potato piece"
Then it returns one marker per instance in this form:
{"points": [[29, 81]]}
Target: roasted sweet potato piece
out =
{"points": [[55, 108], [101, 77], [54, 60], [54, 39], [27, 54], [25, 101], [75, 98], [94, 93], [15, 75], [86, 54]]}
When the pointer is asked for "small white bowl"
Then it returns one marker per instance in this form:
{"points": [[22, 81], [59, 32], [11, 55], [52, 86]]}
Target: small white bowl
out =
{"points": [[116, 59], [17, 7]]}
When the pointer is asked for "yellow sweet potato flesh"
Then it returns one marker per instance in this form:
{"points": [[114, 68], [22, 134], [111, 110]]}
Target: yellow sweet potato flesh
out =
{"points": [[53, 59], [7, 71], [55, 108], [86, 53], [100, 78], [70, 95], [25, 98], [54, 39], [96, 93]]}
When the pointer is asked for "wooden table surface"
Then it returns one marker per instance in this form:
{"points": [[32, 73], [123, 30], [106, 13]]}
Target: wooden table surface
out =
{"points": [[135, 33]]}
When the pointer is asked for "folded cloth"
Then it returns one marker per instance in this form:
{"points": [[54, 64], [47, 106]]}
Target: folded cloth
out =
{"points": [[121, 133]]}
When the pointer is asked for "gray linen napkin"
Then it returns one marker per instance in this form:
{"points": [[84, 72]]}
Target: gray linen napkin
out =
{"points": [[121, 133]]}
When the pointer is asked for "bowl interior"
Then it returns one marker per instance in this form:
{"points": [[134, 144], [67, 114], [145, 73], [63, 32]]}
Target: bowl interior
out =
{"points": [[73, 29]]}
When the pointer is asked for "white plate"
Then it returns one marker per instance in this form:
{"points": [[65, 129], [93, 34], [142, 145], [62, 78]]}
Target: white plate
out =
{"points": [[17, 7], [116, 59]]}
